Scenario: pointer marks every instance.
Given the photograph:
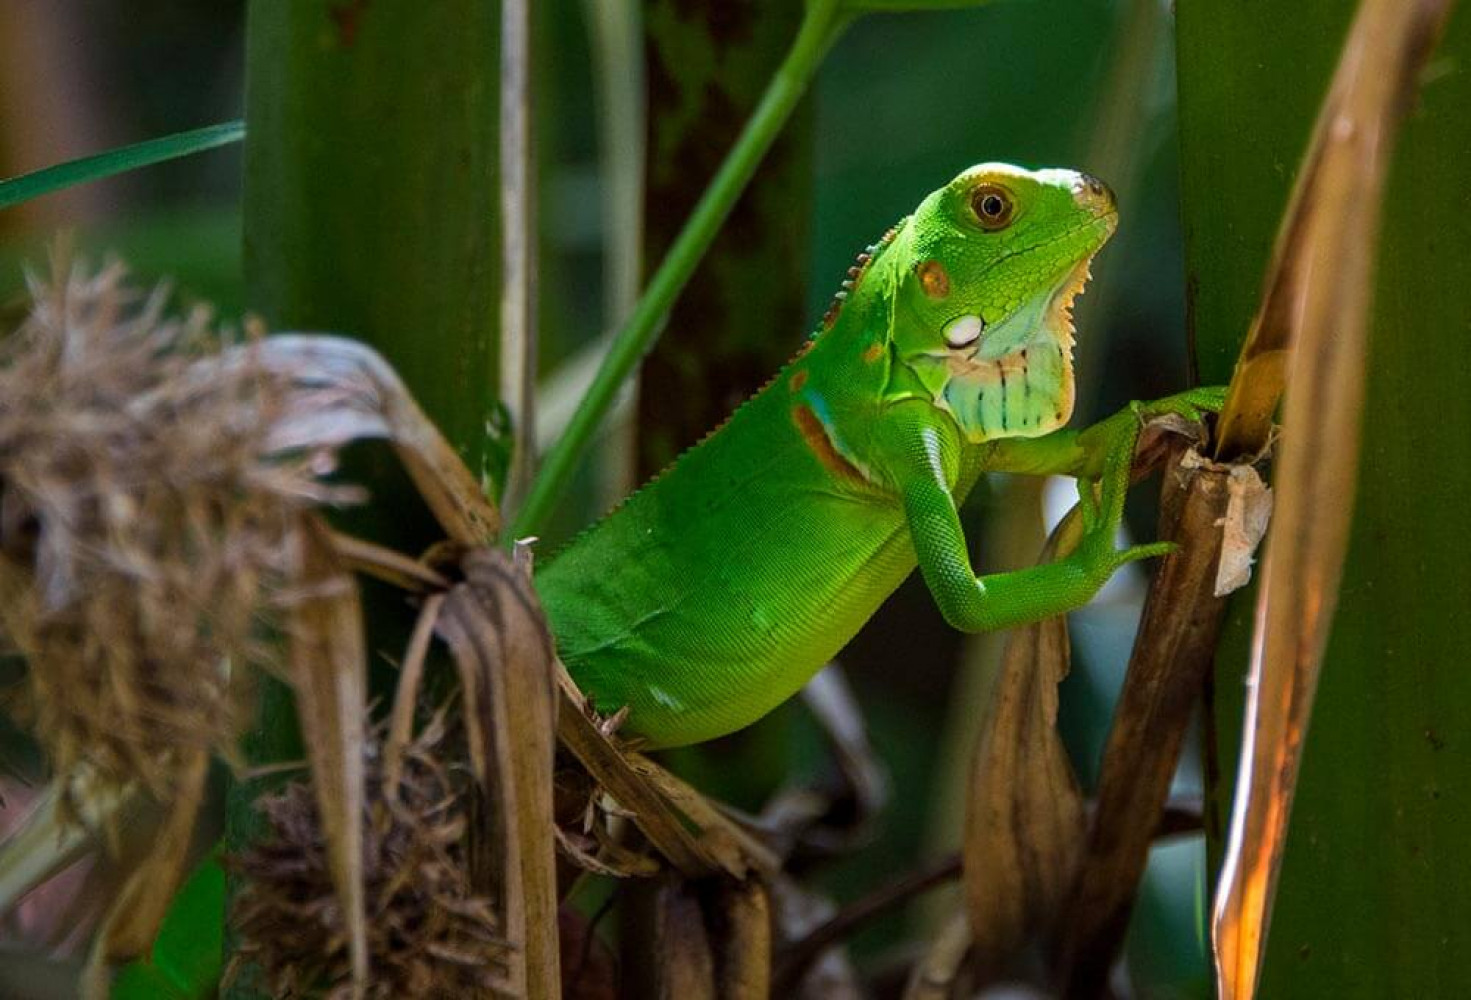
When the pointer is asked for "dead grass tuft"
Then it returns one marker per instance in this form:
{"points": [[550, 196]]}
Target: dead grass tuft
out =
{"points": [[142, 534], [429, 934]]}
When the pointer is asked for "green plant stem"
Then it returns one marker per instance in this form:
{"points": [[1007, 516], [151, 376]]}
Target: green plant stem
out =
{"points": [[821, 26], [117, 161]]}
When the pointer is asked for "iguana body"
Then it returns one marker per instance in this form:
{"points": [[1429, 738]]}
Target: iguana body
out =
{"points": [[716, 591]]}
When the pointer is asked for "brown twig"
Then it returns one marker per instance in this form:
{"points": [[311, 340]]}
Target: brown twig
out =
{"points": [[1175, 648], [795, 959]]}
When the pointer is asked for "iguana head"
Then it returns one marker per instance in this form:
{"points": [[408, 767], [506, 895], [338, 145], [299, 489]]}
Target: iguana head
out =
{"points": [[986, 272]]}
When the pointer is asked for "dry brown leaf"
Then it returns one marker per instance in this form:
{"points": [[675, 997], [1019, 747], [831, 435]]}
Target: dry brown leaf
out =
{"points": [[695, 837], [667, 954], [1315, 310], [335, 391], [503, 651], [1024, 812], [328, 672]]}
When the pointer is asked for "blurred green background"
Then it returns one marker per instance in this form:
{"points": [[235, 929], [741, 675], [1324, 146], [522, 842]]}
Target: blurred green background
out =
{"points": [[902, 104]]}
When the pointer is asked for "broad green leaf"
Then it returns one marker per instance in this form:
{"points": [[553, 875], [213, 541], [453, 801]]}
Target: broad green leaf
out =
{"points": [[187, 954]]}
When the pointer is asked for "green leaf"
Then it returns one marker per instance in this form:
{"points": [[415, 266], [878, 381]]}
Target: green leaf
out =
{"points": [[887, 6], [117, 161], [188, 952]]}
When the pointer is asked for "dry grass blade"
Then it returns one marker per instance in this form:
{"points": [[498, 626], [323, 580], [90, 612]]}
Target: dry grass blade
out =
{"points": [[680, 823], [1175, 647], [328, 672], [406, 700], [1024, 812], [385, 564], [503, 651], [1316, 306], [134, 916]]}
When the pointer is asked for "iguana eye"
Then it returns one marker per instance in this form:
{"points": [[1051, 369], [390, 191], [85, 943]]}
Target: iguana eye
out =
{"points": [[992, 205]]}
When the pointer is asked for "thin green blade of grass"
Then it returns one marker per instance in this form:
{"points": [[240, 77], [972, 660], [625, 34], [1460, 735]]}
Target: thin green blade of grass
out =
{"points": [[15, 190], [821, 25]]}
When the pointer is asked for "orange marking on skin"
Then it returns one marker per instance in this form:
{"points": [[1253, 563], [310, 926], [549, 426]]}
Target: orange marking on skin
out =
{"points": [[874, 352], [933, 279], [822, 446], [799, 379]]}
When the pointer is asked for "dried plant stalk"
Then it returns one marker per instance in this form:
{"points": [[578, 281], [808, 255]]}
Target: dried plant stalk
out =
{"points": [[329, 675], [681, 824], [504, 654], [1175, 647]]}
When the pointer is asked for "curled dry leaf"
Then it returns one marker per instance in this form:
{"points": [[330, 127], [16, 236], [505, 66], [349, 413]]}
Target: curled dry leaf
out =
{"points": [[1024, 814], [503, 653], [667, 952], [338, 390], [432, 932]]}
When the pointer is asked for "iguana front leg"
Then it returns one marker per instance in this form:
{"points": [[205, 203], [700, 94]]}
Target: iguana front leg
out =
{"points": [[1103, 453], [1082, 453]]}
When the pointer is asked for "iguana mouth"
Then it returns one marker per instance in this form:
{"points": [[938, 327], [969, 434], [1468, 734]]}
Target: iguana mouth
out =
{"points": [[1058, 317]]}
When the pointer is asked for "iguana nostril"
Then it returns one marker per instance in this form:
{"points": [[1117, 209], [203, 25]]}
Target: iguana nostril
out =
{"points": [[1092, 193]]}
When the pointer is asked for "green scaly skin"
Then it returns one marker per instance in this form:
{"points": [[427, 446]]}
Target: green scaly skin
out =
{"points": [[715, 592]]}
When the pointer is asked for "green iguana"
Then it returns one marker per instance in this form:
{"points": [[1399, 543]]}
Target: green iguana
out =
{"points": [[715, 592]]}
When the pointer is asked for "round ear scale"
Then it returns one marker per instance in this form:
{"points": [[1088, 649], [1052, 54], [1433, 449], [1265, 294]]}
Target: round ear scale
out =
{"points": [[962, 331]]}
